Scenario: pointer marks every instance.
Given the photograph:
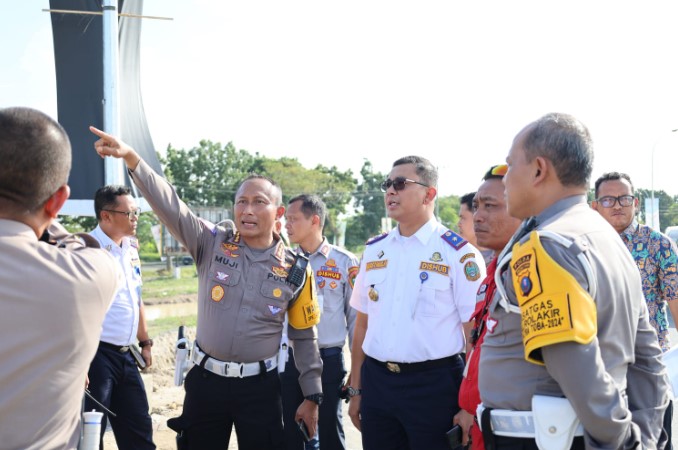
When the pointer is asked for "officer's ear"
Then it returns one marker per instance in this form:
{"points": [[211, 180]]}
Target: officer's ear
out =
{"points": [[56, 201], [431, 193], [541, 168], [280, 212]]}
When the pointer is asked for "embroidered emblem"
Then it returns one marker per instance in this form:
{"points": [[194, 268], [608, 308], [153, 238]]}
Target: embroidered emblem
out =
{"points": [[329, 272], [467, 256], [222, 276], [471, 271], [331, 263], [333, 284], [277, 292], [321, 284], [133, 242], [229, 250], [435, 257], [279, 271], [217, 293], [274, 309], [453, 239], [376, 265], [433, 267], [352, 273]]}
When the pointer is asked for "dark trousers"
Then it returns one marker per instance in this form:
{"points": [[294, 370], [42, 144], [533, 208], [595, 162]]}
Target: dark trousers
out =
{"points": [[408, 410], [114, 380], [215, 404], [668, 418], [331, 428]]}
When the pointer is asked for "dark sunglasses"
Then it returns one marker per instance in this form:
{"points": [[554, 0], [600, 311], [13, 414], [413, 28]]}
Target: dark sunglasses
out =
{"points": [[608, 201], [399, 183]]}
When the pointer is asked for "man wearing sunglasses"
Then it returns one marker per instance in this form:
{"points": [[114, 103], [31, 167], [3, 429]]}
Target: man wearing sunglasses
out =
{"points": [[415, 293], [114, 379]]}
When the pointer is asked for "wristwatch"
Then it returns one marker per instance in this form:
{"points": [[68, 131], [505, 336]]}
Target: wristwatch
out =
{"points": [[315, 398], [352, 392], [148, 342]]}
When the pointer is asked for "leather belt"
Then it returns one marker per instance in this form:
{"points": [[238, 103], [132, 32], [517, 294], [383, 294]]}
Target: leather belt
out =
{"points": [[398, 367], [117, 348], [232, 369]]}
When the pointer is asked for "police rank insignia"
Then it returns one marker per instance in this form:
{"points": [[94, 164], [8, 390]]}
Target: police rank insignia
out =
{"points": [[373, 294], [274, 309], [222, 276], [217, 293], [333, 284], [435, 257], [471, 271]]}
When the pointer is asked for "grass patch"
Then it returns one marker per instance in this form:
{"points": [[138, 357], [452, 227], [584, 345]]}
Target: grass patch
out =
{"points": [[167, 324], [160, 284]]}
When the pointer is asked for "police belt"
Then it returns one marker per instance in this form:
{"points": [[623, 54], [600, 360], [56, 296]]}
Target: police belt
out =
{"points": [[117, 348], [398, 367], [517, 424], [232, 369]]}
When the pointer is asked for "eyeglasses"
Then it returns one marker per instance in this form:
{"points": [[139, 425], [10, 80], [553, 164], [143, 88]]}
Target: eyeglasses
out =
{"points": [[399, 183], [129, 214], [609, 201]]}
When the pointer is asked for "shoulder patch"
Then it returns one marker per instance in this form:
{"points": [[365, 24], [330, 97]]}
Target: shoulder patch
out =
{"points": [[453, 239], [376, 239], [133, 242]]}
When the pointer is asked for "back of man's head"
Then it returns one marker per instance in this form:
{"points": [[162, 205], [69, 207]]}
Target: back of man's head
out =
{"points": [[36, 159], [566, 142]]}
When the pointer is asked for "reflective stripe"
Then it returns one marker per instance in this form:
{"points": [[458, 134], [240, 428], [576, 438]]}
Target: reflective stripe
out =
{"points": [[517, 424]]}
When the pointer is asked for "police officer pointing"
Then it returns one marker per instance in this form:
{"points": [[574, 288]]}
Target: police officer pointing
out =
{"points": [[244, 292]]}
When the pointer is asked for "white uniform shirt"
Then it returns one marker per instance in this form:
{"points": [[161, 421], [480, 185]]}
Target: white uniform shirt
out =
{"points": [[417, 291], [122, 320]]}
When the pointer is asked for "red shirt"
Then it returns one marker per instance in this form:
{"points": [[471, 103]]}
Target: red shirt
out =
{"points": [[469, 395]]}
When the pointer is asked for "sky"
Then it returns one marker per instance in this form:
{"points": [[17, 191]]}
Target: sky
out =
{"points": [[334, 83]]}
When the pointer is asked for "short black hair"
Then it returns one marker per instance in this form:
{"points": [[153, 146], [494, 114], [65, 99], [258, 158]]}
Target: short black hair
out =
{"points": [[428, 174], [611, 176], [467, 199], [311, 205], [36, 158], [276, 186], [566, 142], [107, 197]]}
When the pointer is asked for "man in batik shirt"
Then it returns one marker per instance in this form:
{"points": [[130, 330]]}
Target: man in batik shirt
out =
{"points": [[654, 252]]}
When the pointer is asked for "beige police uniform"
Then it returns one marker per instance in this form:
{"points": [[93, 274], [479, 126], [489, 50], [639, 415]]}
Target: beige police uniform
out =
{"points": [[622, 359], [53, 303], [242, 294]]}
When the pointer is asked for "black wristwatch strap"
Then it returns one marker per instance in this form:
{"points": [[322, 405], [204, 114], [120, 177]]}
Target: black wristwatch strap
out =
{"points": [[316, 398]]}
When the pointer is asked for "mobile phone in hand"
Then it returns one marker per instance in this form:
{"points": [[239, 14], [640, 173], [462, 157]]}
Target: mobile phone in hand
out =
{"points": [[304, 430], [454, 437]]}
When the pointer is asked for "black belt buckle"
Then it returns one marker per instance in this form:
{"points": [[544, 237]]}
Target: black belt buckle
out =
{"points": [[393, 367]]}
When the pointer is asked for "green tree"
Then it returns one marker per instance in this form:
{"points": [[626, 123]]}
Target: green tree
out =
{"points": [[369, 201], [207, 175], [447, 211]]}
